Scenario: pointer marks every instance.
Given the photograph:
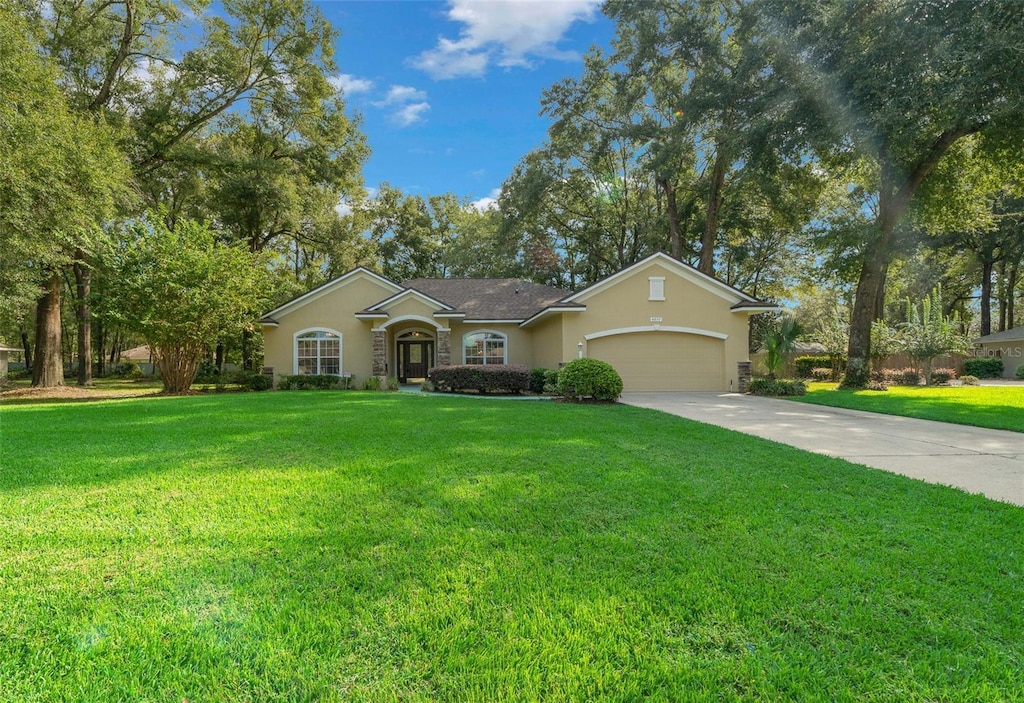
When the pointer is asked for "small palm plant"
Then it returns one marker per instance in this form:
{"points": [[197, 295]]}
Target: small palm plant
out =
{"points": [[778, 343]]}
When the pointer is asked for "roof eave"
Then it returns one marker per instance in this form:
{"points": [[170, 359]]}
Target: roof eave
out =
{"points": [[754, 309], [551, 310]]}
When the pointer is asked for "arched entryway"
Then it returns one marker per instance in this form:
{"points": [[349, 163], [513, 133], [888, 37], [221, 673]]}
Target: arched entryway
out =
{"points": [[414, 354]]}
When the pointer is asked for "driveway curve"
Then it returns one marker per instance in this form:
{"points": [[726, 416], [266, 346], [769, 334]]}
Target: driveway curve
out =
{"points": [[990, 462]]}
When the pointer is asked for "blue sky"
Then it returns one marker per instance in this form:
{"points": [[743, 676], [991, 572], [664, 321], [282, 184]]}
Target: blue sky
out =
{"points": [[449, 91]]}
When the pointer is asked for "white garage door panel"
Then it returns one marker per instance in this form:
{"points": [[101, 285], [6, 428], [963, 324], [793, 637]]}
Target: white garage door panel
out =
{"points": [[663, 361]]}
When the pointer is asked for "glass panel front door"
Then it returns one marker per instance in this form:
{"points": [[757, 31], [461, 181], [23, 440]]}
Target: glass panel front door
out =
{"points": [[414, 359]]}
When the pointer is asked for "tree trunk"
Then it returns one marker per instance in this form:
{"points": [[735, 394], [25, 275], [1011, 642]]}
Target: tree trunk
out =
{"points": [[83, 283], [48, 370], [247, 351], [28, 349], [716, 195], [986, 297], [869, 287], [1000, 296], [1011, 288], [218, 357], [177, 367], [672, 210], [101, 347]]}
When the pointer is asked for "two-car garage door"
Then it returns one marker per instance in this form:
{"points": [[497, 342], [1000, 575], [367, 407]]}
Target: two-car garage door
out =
{"points": [[663, 361]]}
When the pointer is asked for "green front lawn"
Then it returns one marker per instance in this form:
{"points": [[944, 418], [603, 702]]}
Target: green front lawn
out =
{"points": [[358, 546], [997, 407]]}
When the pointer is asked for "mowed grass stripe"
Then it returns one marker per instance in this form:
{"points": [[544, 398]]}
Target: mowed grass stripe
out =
{"points": [[325, 546], [994, 407]]}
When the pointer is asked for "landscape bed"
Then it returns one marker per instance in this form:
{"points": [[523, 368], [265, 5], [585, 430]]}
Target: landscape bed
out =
{"points": [[995, 407], [356, 546]]}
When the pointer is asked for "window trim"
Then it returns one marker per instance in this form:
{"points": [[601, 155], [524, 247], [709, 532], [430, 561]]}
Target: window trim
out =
{"points": [[496, 333], [654, 282], [328, 330]]}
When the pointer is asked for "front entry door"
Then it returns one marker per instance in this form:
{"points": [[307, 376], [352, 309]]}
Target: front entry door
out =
{"points": [[414, 359]]}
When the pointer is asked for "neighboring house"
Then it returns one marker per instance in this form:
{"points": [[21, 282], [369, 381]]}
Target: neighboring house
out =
{"points": [[661, 323], [137, 354], [4, 351], [1008, 345]]}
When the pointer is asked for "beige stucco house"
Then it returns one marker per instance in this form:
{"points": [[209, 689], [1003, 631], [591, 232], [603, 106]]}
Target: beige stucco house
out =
{"points": [[1007, 345], [661, 323]]}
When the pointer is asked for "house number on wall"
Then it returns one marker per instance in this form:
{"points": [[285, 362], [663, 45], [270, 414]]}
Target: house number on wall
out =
{"points": [[655, 319]]}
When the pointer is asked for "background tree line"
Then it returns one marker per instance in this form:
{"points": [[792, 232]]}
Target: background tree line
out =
{"points": [[840, 155]]}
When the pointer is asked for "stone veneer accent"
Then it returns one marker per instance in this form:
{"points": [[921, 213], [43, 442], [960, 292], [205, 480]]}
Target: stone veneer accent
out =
{"points": [[744, 369], [444, 347], [380, 364]]}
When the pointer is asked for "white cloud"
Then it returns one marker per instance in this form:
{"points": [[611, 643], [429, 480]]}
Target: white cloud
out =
{"points": [[410, 114], [486, 203], [506, 32], [349, 84], [398, 94], [408, 104]]}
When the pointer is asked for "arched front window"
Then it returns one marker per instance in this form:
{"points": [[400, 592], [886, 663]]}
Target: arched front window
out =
{"points": [[318, 352], [484, 348]]}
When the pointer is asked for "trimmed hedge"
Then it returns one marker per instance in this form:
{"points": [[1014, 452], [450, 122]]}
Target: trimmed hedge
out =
{"points": [[984, 367], [776, 386], [943, 375], [1019, 373], [589, 378], [305, 382], [507, 378], [805, 365], [897, 377]]}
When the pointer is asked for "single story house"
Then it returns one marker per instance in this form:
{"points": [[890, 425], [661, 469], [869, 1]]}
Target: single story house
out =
{"points": [[1008, 345], [661, 323]]}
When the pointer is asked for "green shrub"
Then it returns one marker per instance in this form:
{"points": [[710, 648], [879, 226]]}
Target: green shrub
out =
{"points": [[805, 365], [969, 380], [763, 385], [249, 380], [551, 381], [943, 375], [821, 374], [1020, 371], [128, 369], [305, 382], [208, 372], [589, 378], [537, 380], [984, 367], [497, 378], [896, 377], [392, 383], [372, 383]]}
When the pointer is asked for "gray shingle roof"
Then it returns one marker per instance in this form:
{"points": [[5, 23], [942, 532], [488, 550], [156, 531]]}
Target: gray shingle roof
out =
{"points": [[490, 298], [1014, 335]]}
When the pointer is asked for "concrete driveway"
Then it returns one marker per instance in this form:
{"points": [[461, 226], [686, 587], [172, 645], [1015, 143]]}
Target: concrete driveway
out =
{"points": [[977, 460]]}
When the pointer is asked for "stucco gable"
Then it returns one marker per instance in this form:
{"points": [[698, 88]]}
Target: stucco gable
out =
{"points": [[409, 293], [388, 288], [735, 297]]}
